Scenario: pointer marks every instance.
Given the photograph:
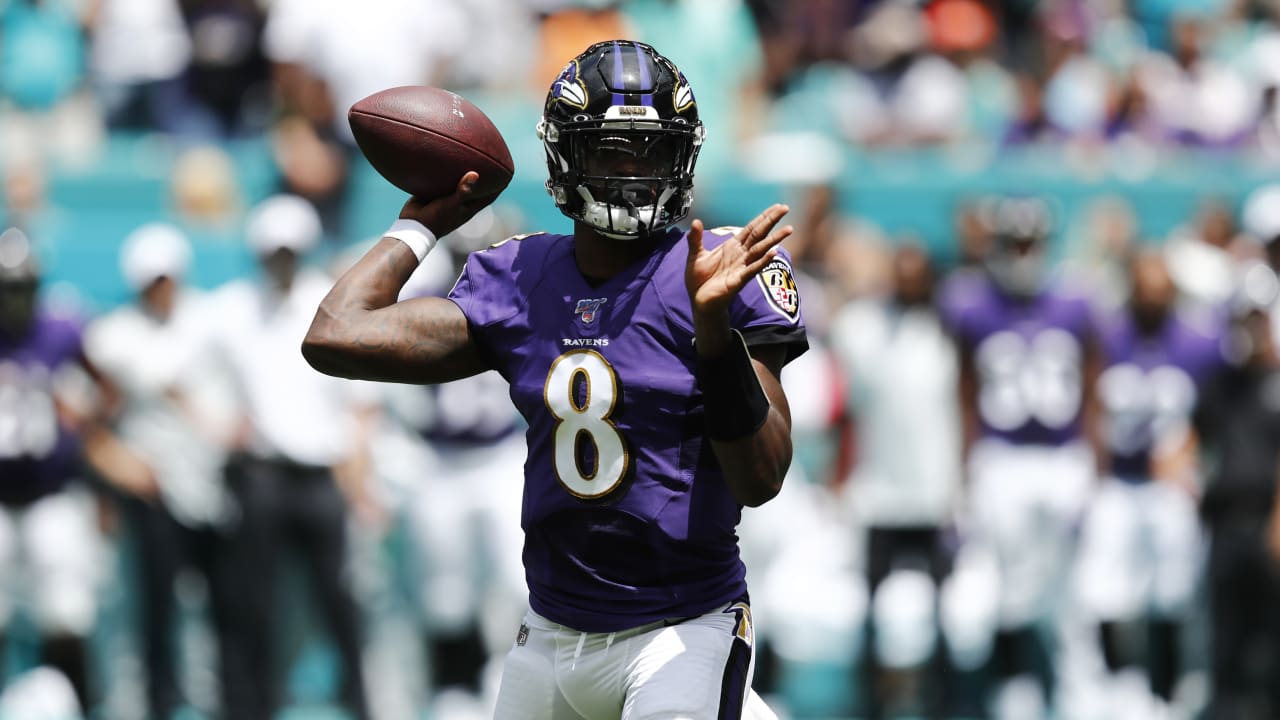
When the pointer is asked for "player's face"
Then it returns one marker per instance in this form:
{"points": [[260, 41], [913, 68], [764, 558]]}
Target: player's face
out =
{"points": [[281, 265], [1023, 247], [912, 277], [629, 155], [1261, 345], [1153, 292], [159, 296], [1017, 264]]}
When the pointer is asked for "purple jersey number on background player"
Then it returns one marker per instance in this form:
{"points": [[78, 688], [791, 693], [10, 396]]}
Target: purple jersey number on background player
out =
{"points": [[1149, 387], [36, 452], [1029, 357], [626, 514]]}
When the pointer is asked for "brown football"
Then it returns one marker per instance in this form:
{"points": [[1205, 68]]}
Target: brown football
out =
{"points": [[424, 139]]}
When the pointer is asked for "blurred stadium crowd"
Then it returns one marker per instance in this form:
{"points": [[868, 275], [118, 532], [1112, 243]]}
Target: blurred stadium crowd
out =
{"points": [[1038, 433]]}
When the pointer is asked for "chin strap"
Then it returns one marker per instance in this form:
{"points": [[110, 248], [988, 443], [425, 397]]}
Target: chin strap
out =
{"points": [[625, 223], [612, 221], [619, 222]]}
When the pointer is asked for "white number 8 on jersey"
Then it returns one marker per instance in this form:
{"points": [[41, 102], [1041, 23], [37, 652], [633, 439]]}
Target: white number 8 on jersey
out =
{"points": [[580, 392]]}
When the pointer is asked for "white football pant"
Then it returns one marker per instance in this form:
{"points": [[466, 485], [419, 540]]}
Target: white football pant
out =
{"points": [[696, 669]]}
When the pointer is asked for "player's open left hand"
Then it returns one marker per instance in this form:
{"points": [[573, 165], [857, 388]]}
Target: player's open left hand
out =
{"points": [[445, 214], [714, 277]]}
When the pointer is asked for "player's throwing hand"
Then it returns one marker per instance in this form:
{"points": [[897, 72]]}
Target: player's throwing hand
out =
{"points": [[449, 212]]}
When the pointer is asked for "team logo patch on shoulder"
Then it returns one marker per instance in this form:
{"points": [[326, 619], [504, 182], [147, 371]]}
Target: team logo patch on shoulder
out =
{"points": [[779, 286]]}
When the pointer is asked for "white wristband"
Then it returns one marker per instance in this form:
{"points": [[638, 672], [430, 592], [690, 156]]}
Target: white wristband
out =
{"points": [[414, 234]]}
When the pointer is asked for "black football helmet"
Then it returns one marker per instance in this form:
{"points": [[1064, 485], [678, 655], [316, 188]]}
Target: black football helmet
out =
{"points": [[621, 132]]}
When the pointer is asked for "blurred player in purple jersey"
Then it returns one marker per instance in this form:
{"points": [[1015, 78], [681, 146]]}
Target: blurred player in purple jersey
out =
{"points": [[646, 362], [463, 503], [1027, 362], [48, 542], [1141, 538]]}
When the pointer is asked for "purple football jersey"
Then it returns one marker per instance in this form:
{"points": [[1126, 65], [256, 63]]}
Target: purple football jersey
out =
{"points": [[1029, 356], [37, 454], [626, 513], [1150, 385]]}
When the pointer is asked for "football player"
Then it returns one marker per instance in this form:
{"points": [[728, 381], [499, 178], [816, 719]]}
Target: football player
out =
{"points": [[463, 503], [1140, 540], [465, 523], [1027, 363], [48, 543], [646, 362]]}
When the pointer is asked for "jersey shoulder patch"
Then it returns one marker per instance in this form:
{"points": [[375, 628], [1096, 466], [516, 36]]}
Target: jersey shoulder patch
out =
{"points": [[778, 282]]}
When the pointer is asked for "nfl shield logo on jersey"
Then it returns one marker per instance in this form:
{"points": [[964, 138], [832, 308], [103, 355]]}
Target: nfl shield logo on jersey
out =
{"points": [[779, 286], [588, 308]]}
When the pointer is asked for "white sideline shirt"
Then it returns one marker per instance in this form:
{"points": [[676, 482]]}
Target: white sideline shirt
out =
{"points": [[174, 406], [903, 380], [296, 413]]}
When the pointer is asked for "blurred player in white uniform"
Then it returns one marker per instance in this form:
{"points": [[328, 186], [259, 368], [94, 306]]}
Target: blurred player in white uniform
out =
{"points": [[1140, 544], [464, 521], [1028, 360], [902, 373]]}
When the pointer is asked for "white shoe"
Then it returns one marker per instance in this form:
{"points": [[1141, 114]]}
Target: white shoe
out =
{"points": [[1019, 698], [1130, 696], [42, 693]]}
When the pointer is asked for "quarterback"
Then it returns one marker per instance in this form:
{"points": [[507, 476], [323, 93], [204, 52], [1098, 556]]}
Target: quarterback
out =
{"points": [[645, 360]]}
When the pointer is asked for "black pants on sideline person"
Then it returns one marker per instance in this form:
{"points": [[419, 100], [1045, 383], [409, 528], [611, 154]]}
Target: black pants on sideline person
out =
{"points": [[165, 548], [919, 691], [287, 506], [1244, 599]]}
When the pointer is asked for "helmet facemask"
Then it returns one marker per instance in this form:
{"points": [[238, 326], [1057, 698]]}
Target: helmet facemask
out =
{"points": [[1018, 265], [625, 178], [621, 132], [1018, 260]]}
